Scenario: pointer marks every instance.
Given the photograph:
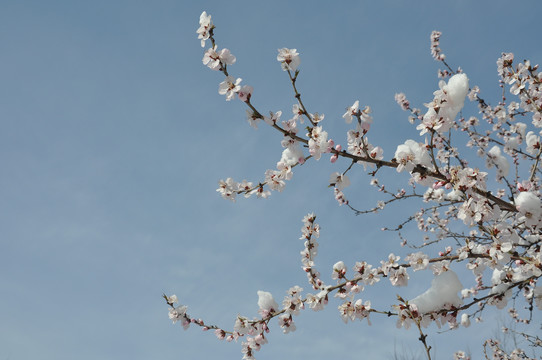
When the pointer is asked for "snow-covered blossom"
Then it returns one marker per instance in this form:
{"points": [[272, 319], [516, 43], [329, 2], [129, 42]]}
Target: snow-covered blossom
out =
{"points": [[533, 143], [494, 158], [448, 101], [289, 59], [292, 155], [443, 290], [229, 87], [502, 294], [267, 304], [339, 270], [242, 325], [318, 143], [465, 320], [530, 206]]}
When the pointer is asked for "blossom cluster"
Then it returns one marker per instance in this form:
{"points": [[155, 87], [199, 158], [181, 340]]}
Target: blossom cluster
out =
{"points": [[470, 222], [436, 52]]}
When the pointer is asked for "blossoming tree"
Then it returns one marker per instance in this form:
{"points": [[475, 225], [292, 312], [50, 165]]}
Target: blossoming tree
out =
{"points": [[488, 222]]}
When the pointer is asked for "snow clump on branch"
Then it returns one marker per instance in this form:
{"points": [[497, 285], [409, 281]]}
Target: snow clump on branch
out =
{"points": [[448, 101], [443, 291]]}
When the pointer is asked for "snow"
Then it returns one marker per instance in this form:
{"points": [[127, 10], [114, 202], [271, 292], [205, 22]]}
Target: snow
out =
{"points": [[458, 87], [443, 291], [266, 302]]}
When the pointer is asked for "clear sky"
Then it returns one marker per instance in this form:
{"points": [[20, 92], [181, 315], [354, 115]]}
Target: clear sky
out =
{"points": [[113, 137]]}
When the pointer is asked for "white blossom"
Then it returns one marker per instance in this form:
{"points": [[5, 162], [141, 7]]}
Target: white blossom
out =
{"points": [[288, 58]]}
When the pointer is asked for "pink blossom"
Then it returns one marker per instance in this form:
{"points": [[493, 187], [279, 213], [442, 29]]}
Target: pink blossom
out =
{"points": [[402, 101], [435, 49], [245, 93]]}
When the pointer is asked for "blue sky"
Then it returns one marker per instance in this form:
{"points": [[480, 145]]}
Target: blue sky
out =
{"points": [[114, 137]]}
